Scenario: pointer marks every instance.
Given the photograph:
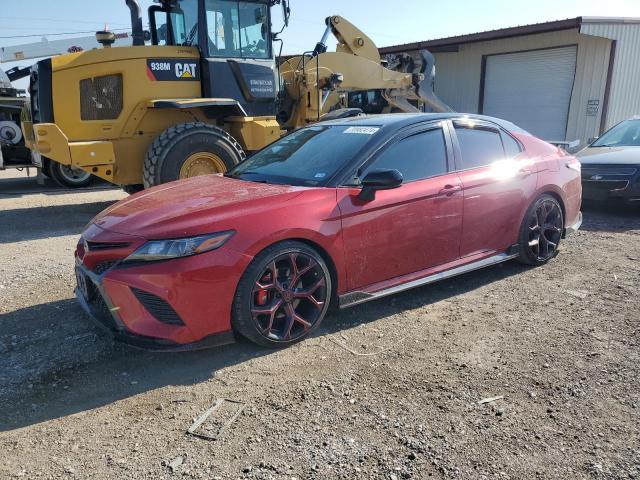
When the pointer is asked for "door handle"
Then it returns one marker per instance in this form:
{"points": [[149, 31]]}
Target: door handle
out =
{"points": [[525, 172], [449, 190]]}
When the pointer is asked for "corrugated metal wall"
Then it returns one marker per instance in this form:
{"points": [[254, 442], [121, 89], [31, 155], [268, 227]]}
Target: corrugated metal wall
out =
{"points": [[458, 74], [589, 86], [624, 100]]}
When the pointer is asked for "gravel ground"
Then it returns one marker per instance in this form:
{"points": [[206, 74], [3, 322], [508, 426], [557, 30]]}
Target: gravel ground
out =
{"points": [[389, 389]]}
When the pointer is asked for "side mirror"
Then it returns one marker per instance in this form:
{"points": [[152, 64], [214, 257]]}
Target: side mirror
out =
{"points": [[379, 180]]}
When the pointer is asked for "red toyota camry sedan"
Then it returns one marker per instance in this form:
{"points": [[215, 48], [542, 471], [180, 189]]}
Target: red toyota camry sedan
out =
{"points": [[337, 213]]}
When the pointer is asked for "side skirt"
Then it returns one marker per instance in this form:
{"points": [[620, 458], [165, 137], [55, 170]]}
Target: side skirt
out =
{"points": [[357, 297]]}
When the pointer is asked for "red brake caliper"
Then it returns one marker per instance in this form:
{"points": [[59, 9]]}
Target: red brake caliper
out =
{"points": [[262, 295]]}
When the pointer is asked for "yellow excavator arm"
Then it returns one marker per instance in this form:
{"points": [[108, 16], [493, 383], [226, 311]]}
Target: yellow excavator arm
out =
{"points": [[316, 83]]}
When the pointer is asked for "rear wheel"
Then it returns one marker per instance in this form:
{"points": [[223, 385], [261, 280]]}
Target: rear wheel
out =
{"points": [[283, 295], [69, 176], [541, 231], [189, 150]]}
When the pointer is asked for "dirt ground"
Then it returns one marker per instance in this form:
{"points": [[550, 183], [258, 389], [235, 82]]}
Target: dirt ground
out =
{"points": [[389, 389]]}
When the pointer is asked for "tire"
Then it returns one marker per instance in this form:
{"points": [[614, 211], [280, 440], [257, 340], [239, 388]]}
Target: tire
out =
{"points": [[69, 177], [262, 301], [131, 189], [541, 231], [172, 151], [46, 167]]}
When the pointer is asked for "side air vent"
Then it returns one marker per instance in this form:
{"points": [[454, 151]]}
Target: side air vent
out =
{"points": [[101, 97], [157, 307]]}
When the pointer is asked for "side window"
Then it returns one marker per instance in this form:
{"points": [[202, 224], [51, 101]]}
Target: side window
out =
{"points": [[511, 147], [223, 28], [419, 156], [238, 29], [479, 146]]}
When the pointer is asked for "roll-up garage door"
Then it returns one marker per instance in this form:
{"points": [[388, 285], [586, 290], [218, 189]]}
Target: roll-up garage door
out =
{"points": [[531, 89]]}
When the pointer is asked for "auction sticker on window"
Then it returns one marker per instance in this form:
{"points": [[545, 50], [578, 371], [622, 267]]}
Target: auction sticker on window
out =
{"points": [[172, 70], [362, 130]]}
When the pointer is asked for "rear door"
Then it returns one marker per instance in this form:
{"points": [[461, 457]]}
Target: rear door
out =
{"points": [[409, 228], [497, 180]]}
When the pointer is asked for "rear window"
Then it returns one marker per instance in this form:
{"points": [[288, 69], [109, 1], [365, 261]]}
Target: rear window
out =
{"points": [[479, 146]]}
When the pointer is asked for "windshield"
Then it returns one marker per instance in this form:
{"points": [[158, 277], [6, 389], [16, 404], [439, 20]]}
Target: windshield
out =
{"points": [[238, 29], [625, 134], [307, 157]]}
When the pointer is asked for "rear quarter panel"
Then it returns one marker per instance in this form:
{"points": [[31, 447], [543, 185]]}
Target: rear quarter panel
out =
{"points": [[555, 176]]}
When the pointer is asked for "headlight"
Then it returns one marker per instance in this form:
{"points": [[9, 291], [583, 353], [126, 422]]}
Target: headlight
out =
{"points": [[179, 247]]}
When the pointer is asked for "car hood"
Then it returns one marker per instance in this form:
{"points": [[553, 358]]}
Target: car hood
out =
{"points": [[191, 207], [610, 155]]}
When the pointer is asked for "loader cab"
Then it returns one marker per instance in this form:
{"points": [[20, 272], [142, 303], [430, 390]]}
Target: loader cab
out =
{"points": [[235, 43]]}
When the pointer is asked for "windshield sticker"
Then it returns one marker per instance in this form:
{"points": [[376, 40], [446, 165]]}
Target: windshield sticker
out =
{"points": [[362, 130]]}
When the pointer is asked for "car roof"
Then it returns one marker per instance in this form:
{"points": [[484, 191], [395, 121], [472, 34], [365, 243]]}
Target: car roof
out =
{"points": [[396, 121]]}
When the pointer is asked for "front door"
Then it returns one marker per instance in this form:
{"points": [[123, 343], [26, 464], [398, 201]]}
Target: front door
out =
{"points": [[410, 228]]}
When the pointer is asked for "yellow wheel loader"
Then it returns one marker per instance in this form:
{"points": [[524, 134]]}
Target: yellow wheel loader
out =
{"points": [[206, 92]]}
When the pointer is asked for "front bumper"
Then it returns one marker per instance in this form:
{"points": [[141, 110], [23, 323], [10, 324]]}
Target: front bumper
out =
{"points": [[175, 304], [603, 182], [95, 157], [95, 301]]}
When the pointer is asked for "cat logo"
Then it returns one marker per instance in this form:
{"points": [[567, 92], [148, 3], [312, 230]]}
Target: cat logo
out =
{"points": [[171, 70], [186, 70]]}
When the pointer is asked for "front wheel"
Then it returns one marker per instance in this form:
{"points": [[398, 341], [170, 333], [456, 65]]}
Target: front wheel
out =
{"points": [[69, 176], [541, 231], [189, 150], [283, 295]]}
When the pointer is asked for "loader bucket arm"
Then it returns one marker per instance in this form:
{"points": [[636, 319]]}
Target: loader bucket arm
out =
{"points": [[423, 80], [316, 83], [425, 87]]}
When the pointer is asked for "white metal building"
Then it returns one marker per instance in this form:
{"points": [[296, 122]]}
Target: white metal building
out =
{"points": [[563, 80]]}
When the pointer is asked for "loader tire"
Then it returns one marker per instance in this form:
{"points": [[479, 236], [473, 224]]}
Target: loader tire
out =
{"points": [[68, 176], [188, 150]]}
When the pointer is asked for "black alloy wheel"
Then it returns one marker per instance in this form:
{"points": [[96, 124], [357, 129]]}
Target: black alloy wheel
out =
{"points": [[283, 295], [541, 231]]}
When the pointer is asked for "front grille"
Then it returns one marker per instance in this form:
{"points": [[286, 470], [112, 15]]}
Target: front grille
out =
{"points": [[157, 307], [101, 97], [590, 170], [606, 185], [94, 246], [96, 302]]}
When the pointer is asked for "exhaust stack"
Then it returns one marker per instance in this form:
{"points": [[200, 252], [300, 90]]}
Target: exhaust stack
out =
{"points": [[136, 23]]}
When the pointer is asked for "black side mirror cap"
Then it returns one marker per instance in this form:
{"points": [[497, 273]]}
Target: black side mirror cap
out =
{"points": [[379, 180]]}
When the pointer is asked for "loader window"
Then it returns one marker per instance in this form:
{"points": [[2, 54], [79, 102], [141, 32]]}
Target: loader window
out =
{"points": [[238, 29]]}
